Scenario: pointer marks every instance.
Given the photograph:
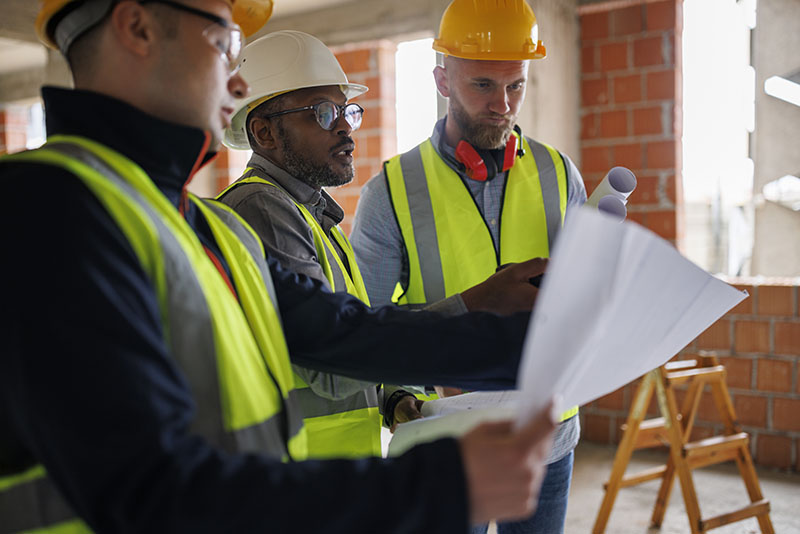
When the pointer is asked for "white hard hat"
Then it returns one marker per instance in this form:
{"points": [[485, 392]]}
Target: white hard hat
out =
{"points": [[280, 62]]}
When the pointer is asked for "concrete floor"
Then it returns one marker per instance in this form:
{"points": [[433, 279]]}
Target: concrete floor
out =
{"points": [[719, 490]]}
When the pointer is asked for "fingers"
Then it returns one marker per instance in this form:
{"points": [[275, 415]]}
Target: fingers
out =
{"points": [[529, 269], [538, 429]]}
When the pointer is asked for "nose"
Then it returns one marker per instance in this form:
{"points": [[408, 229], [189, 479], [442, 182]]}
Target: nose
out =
{"points": [[237, 86], [342, 126], [499, 102]]}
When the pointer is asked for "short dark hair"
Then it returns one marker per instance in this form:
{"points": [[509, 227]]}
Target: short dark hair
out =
{"points": [[84, 50]]}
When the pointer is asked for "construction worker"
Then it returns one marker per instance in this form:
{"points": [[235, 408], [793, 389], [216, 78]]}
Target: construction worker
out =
{"points": [[146, 383], [474, 196], [297, 120]]}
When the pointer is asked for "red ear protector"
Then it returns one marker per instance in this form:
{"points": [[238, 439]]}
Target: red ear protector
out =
{"points": [[484, 165]]}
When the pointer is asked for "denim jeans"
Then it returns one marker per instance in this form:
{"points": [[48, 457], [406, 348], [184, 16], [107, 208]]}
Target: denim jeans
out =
{"points": [[551, 511]]}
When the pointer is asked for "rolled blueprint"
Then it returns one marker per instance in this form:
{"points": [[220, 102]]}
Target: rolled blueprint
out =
{"points": [[613, 206], [619, 183]]}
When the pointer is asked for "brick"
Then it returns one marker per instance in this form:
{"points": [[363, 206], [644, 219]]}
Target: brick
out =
{"points": [[596, 159], [375, 84], [751, 410], [787, 338], [648, 51], [786, 414], [626, 21], [701, 432], [613, 401], [628, 155], [614, 123], [660, 16], [776, 300], [589, 63], [746, 306], [660, 85], [774, 375], [594, 92], [663, 223], [591, 184], [797, 455], [348, 203], [590, 126], [639, 217], [594, 26], [671, 188], [739, 372], [661, 155], [707, 409], [647, 121], [353, 61], [646, 191], [374, 146], [627, 89], [751, 336], [596, 428], [774, 451], [614, 56]]}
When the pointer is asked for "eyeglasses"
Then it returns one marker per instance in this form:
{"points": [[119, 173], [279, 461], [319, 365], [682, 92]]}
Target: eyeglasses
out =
{"points": [[328, 113], [223, 35]]}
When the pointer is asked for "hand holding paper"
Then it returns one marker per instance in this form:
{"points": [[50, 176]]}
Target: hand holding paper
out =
{"points": [[617, 302]]}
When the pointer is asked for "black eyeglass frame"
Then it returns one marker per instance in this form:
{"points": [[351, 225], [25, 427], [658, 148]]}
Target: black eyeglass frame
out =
{"points": [[340, 110]]}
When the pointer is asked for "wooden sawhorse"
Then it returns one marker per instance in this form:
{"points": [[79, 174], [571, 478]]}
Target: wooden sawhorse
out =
{"points": [[673, 430]]}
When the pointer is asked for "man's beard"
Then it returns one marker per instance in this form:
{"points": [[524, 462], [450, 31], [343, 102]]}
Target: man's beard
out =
{"points": [[484, 136], [314, 174]]}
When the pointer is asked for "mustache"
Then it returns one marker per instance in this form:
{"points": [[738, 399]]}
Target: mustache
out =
{"points": [[346, 142]]}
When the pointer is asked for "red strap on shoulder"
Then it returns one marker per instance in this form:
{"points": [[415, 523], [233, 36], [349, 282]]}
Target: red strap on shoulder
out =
{"points": [[510, 153], [475, 167]]}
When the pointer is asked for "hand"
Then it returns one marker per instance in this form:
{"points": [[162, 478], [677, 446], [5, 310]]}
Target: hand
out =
{"points": [[446, 391], [508, 290], [407, 409], [504, 467]]}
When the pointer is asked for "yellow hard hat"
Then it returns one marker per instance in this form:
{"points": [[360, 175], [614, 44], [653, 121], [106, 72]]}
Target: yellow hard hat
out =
{"points": [[74, 17], [504, 30]]}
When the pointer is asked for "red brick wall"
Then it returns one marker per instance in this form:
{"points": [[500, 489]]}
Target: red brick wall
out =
{"points": [[758, 342], [13, 129], [631, 104], [631, 115], [371, 64]]}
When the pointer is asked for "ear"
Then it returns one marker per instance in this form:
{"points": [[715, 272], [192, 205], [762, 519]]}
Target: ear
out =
{"points": [[263, 133], [440, 76], [133, 26]]}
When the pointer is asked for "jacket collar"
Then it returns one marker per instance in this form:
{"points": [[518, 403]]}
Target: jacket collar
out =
{"points": [[169, 153], [317, 201]]}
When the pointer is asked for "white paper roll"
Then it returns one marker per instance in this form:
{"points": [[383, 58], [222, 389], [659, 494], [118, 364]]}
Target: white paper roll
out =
{"points": [[613, 206], [619, 182]]}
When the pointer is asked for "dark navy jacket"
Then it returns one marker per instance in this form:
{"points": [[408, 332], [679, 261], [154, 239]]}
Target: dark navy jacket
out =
{"points": [[88, 387]]}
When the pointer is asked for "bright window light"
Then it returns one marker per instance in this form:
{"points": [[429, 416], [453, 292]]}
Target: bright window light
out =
{"points": [[786, 90], [416, 92]]}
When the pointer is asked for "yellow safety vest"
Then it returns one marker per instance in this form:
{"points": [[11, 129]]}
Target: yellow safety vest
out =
{"points": [[449, 246], [233, 350], [345, 428]]}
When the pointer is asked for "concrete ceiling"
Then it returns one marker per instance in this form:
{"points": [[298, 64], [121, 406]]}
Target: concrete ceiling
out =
{"points": [[20, 50]]}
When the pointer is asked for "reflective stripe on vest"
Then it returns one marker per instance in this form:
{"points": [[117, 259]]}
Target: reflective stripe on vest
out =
{"points": [[233, 355], [442, 226], [449, 246], [349, 427]]}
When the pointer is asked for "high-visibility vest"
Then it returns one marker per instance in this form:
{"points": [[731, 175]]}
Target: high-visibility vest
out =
{"points": [[448, 243], [232, 352], [349, 427]]}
